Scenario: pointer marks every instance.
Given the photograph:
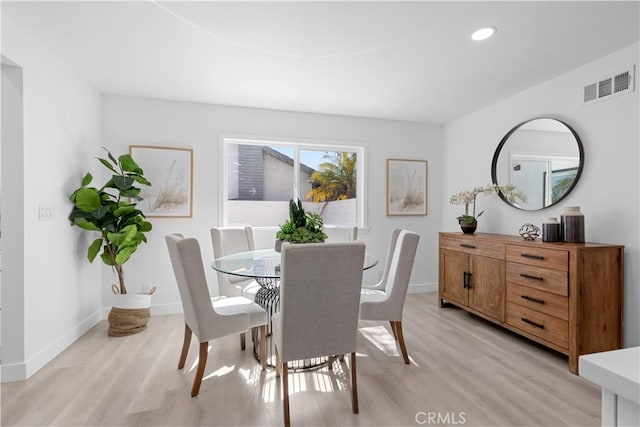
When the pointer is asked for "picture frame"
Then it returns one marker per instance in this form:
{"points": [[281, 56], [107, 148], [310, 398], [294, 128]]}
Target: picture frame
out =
{"points": [[406, 187], [170, 171], [561, 181]]}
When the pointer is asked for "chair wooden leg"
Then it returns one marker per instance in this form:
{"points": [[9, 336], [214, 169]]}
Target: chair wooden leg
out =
{"points": [[403, 348], [185, 346], [393, 329], [243, 341], [263, 347], [278, 364], [354, 384], [202, 362], [285, 391]]}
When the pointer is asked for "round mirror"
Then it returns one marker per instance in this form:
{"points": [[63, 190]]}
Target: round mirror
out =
{"points": [[543, 158]]}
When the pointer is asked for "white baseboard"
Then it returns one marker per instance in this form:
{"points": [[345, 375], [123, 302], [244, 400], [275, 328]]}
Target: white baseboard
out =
{"points": [[417, 288], [23, 370], [156, 309], [160, 309], [13, 372]]}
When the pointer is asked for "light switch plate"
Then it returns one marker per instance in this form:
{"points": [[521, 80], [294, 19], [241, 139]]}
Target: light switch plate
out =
{"points": [[45, 212]]}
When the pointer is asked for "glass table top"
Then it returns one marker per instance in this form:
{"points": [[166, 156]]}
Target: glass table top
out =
{"points": [[264, 263]]}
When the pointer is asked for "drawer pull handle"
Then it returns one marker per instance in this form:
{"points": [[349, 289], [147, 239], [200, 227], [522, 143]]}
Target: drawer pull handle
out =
{"points": [[532, 323], [528, 276], [466, 280], [466, 245], [538, 257], [532, 299]]}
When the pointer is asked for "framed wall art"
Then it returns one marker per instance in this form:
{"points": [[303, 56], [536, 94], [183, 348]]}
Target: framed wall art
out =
{"points": [[170, 171], [406, 187]]}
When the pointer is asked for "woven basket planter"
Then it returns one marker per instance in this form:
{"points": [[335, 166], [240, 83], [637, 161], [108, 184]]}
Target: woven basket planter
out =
{"points": [[129, 314]]}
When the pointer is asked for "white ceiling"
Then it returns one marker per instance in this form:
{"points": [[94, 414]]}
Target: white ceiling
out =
{"points": [[397, 60]]}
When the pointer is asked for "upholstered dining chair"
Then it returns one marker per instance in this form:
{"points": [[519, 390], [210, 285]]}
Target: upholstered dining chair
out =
{"points": [[338, 233], [227, 241], [380, 285], [206, 318], [319, 296], [386, 302]]}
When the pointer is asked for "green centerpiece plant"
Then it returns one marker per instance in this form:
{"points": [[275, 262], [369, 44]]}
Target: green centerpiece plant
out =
{"points": [[301, 227]]}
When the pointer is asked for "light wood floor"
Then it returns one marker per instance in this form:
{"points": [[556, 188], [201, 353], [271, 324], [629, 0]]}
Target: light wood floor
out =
{"points": [[463, 369]]}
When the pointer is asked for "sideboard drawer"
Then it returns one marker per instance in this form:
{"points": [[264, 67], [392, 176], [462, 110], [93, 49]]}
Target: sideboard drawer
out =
{"points": [[554, 281], [539, 257], [539, 324], [535, 299], [470, 245]]}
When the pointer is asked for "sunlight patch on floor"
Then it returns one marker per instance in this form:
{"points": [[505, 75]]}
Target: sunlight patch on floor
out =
{"points": [[382, 339], [322, 382], [248, 375], [221, 371], [297, 383], [271, 388]]}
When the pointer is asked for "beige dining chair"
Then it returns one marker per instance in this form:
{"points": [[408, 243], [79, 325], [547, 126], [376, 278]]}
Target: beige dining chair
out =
{"points": [[319, 297], [386, 301], [227, 241], [338, 233], [206, 318], [385, 272]]}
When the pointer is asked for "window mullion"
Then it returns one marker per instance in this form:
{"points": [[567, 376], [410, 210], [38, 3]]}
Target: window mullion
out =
{"points": [[296, 175]]}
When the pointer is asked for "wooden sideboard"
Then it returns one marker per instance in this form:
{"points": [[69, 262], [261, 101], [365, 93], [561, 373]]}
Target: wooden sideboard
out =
{"points": [[566, 296]]}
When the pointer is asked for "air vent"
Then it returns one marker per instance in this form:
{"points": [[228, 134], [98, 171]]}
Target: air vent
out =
{"points": [[610, 87], [604, 88], [590, 92], [621, 82]]}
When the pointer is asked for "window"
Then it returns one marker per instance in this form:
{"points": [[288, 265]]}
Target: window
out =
{"points": [[260, 177]]}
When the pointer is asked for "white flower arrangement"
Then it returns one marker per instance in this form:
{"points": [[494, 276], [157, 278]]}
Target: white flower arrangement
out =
{"points": [[466, 198]]}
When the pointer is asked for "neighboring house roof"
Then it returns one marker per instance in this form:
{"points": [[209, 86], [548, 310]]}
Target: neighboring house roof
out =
{"points": [[286, 159]]}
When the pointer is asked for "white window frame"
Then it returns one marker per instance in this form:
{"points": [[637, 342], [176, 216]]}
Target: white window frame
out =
{"points": [[297, 144]]}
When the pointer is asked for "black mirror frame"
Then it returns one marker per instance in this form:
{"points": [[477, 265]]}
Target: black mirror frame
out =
{"points": [[494, 162]]}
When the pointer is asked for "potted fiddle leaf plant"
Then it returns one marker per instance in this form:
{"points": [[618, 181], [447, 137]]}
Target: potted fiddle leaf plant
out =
{"points": [[111, 211], [301, 227]]}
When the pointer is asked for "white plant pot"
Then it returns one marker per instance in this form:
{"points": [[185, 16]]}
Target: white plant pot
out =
{"points": [[131, 301]]}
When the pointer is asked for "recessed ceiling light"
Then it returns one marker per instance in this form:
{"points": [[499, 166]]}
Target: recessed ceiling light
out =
{"points": [[483, 33]]}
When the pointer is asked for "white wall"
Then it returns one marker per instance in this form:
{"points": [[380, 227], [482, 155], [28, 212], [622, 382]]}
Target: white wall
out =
{"points": [[131, 120], [61, 135], [608, 191]]}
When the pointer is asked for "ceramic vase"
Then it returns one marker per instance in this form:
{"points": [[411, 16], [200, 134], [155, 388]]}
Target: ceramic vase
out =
{"points": [[551, 230], [572, 225]]}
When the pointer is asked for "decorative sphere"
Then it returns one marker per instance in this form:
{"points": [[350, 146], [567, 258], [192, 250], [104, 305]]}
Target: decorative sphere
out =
{"points": [[529, 232]]}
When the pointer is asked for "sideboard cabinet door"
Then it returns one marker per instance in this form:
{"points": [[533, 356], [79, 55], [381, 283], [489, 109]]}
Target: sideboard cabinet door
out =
{"points": [[487, 291], [473, 280], [453, 276]]}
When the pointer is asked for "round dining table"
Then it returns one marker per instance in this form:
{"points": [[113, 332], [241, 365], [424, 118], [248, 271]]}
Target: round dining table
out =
{"points": [[263, 264]]}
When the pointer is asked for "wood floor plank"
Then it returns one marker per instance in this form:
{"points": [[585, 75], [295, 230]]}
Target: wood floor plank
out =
{"points": [[461, 366]]}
